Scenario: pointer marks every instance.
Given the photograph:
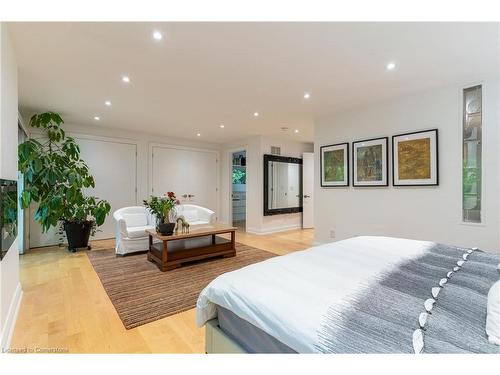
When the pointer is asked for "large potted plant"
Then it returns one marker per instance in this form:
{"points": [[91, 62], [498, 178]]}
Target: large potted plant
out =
{"points": [[55, 178], [163, 208]]}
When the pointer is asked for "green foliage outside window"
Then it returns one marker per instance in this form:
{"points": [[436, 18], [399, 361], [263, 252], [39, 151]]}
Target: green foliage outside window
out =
{"points": [[239, 176]]}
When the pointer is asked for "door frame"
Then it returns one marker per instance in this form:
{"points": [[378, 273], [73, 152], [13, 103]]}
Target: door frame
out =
{"points": [[152, 145], [312, 156], [229, 197]]}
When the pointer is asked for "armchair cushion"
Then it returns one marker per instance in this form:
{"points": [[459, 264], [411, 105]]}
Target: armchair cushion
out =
{"points": [[198, 222], [190, 215], [196, 214], [135, 220], [138, 232]]}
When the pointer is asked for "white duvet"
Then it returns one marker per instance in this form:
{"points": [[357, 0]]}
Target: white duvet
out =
{"points": [[288, 296]]}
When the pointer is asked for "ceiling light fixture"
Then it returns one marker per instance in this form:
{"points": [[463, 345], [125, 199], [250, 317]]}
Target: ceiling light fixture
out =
{"points": [[296, 131], [391, 66], [97, 118], [108, 103], [126, 79], [256, 114], [221, 126], [307, 95], [157, 35], [198, 134]]}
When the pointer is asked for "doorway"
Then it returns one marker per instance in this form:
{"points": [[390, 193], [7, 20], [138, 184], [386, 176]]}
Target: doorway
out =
{"points": [[239, 189]]}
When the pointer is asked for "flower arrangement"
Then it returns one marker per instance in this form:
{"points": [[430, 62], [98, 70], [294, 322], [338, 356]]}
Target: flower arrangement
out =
{"points": [[162, 207]]}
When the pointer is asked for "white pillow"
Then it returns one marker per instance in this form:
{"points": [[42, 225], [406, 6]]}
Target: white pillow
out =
{"points": [[493, 314], [135, 220]]}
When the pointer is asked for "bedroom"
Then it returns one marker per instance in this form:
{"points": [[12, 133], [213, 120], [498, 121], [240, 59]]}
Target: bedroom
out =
{"points": [[262, 187]]}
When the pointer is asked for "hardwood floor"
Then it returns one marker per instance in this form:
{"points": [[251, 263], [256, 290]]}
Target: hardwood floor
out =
{"points": [[65, 307]]}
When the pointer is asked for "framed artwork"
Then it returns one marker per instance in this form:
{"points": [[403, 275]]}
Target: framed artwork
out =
{"points": [[334, 165], [370, 162], [415, 159]]}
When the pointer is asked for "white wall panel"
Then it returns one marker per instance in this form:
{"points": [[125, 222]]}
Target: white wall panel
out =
{"points": [[186, 171], [114, 167], [429, 212]]}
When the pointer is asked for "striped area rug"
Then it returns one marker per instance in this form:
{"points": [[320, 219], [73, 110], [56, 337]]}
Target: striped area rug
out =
{"points": [[141, 293]]}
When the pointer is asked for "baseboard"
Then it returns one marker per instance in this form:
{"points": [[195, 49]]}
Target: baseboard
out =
{"points": [[273, 230], [10, 322]]}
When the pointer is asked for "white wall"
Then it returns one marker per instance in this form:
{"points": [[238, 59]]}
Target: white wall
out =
{"points": [[143, 144], [428, 213], [10, 287], [256, 147]]}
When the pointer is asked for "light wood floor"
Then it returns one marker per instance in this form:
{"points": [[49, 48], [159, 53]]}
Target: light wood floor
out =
{"points": [[65, 306]]}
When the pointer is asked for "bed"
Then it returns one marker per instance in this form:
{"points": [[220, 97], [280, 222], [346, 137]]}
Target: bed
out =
{"points": [[361, 295]]}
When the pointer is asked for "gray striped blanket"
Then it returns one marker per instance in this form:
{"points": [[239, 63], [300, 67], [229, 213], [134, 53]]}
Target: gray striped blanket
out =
{"points": [[435, 303]]}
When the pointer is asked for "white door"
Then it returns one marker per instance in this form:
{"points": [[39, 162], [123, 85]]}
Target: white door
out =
{"points": [[190, 174], [307, 189], [114, 168]]}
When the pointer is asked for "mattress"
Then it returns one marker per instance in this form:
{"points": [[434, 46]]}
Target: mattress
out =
{"points": [[361, 295], [248, 336]]}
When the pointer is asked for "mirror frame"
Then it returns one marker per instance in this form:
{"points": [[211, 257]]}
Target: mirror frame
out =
{"points": [[283, 159]]}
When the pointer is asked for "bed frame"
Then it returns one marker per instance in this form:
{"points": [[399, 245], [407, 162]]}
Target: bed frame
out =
{"points": [[217, 342]]}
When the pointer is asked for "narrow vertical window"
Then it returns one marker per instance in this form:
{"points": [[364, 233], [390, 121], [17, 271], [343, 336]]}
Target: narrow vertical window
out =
{"points": [[472, 158]]}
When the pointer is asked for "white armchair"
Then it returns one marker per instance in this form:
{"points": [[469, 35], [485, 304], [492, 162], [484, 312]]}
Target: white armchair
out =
{"points": [[195, 215], [132, 223], [131, 226]]}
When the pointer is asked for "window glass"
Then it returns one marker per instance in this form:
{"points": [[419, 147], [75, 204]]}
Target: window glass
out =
{"points": [[472, 160]]}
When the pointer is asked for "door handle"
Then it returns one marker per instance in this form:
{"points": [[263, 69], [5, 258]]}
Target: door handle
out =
{"points": [[307, 196]]}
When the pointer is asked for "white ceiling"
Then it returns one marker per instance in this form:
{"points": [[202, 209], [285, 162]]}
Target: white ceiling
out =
{"points": [[204, 74]]}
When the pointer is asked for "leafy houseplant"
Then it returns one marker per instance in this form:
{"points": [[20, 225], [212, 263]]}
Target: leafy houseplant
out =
{"points": [[55, 178], [163, 208]]}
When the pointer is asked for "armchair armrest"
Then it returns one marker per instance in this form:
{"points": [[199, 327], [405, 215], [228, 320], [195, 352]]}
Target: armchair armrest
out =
{"points": [[206, 215], [122, 226]]}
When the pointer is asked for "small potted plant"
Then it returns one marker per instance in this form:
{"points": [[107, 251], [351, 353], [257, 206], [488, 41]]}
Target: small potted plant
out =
{"points": [[164, 210]]}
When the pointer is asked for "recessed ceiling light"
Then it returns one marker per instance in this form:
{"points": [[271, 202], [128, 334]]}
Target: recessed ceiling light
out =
{"points": [[97, 118], [307, 95], [296, 131], [157, 35], [256, 114], [108, 103], [221, 126], [126, 79], [391, 66], [198, 134]]}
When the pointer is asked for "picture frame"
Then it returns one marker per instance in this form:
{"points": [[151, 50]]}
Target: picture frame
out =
{"points": [[415, 158], [370, 162], [334, 165]]}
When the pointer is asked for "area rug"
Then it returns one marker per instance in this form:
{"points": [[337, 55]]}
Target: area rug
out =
{"points": [[141, 293]]}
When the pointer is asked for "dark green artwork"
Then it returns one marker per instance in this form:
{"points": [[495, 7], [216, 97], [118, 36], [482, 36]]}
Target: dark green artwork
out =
{"points": [[334, 166]]}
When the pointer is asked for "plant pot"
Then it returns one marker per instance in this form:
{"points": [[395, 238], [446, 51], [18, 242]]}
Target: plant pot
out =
{"points": [[166, 229], [78, 234]]}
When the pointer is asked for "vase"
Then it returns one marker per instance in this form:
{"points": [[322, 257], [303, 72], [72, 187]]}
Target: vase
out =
{"points": [[166, 229], [78, 234]]}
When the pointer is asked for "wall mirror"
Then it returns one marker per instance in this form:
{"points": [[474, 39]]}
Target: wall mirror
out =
{"points": [[282, 185]]}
